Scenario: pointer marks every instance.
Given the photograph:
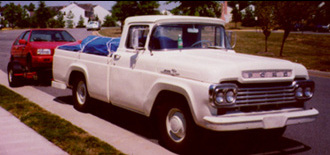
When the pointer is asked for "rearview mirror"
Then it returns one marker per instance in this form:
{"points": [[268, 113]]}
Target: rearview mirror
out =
{"points": [[138, 38], [230, 35], [22, 41]]}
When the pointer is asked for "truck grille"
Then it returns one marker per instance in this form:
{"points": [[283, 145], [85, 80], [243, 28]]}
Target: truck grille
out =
{"points": [[261, 97], [265, 95]]}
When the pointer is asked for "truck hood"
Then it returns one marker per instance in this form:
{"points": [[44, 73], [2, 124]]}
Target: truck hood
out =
{"points": [[214, 66]]}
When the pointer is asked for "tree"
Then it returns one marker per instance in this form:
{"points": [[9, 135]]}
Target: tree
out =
{"points": [[148, 8], [29, 7], [109, 21], [288, 13], [69, 22], [58, 21], [241, 4], [265, 13], [81, 22], [123, 9], [43, 14], [237, 17], [13, 14], [25, 20], [248, 18], [198, 8], [97, 18]]}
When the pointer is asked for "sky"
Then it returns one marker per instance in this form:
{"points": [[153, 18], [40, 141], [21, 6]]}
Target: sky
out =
{"points": [[105, 4]]}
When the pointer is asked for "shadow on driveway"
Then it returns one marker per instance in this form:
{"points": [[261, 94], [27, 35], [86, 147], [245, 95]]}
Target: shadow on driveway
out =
{"points": [[239, 142]]}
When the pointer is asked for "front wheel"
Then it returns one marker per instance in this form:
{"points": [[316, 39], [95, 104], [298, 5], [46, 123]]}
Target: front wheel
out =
{"points": [[176, 127], [80, 95]]}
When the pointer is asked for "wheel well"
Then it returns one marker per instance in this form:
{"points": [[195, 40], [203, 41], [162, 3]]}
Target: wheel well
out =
{"points": [[166, 96], [74, 75]]}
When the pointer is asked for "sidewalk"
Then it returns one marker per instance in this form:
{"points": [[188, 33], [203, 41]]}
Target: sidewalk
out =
{"points": [[17, 138]]}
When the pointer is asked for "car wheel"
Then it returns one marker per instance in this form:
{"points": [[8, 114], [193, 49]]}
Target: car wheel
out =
{"points": [[80, 95], [176, 127], [12, 79]]}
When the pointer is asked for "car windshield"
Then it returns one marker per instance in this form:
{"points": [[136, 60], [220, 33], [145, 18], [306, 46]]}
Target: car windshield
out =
{"points": [[93, 22], [51, 36], [192, 36]]}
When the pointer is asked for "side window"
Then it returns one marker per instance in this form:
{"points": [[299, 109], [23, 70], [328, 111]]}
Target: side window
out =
{"points": [[20, 37], [144, 29], [26, 36]]}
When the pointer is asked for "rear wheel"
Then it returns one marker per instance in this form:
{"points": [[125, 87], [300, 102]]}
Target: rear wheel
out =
{"points": [[80, 95], [12, 79], [176, 127]]}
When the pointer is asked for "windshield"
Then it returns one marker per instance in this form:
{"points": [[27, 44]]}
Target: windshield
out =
{"points": [[51, 35], [188, 36]]}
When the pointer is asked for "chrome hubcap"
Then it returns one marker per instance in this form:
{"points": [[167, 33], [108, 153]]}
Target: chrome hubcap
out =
{"points": [[81, 93], [10, 76], [176, 125]]}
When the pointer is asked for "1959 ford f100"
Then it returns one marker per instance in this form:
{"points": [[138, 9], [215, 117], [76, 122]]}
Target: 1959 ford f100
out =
{"points": [[182, 72]]}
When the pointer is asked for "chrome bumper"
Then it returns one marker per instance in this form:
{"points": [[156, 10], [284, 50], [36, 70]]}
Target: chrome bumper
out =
{"points": [[260, 120]]}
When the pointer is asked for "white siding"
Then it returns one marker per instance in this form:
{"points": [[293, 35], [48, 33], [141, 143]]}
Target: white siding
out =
{"points": [[77, 11], [101, 13]]}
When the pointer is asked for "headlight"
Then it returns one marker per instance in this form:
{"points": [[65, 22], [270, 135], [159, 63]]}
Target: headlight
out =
{"points": [[43, 52], [304, 90], [230, 96], [223, 94], [308, 92], [299, 92]]}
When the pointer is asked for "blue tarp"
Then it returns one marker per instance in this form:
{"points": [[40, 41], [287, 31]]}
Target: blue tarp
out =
{"points": [[95, 45]]}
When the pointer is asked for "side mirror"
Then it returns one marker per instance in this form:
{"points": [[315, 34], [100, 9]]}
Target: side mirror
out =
{"points": [[138, 38], [22, 41], [230, 35]]}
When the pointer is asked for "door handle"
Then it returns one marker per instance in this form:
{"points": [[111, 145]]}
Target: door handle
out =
{"points": [[116, 57]]}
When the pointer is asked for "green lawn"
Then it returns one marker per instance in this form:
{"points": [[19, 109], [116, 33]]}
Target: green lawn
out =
{"points": [[312, 50], [57, 130]]}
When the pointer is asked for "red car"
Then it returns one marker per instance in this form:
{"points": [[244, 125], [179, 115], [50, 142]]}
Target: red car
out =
{"points": [[32, 53]]}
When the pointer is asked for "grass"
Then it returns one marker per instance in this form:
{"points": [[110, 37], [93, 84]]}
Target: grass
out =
{"points": [[111, 32], [57, 130], [311, 50]]}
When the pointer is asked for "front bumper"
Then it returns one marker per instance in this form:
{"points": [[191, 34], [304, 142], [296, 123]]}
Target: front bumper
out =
{"points": [[42, 61], [260, 120]]}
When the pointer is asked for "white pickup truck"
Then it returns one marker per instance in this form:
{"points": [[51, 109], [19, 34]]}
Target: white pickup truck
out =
{"points": [[182, 72]]}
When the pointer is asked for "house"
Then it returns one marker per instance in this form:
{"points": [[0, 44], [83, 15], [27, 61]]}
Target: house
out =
{"points": [[86, 11]]}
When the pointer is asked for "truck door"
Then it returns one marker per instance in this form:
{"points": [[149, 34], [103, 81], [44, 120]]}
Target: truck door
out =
{"points": [[130, 78]]}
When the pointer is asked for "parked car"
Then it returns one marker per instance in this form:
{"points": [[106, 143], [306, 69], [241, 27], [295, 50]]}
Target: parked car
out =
{"points": [[32, 53], [322, 28], [93, 25]]}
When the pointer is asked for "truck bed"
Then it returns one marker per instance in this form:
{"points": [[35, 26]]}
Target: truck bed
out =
{"points": [[94, 45]]}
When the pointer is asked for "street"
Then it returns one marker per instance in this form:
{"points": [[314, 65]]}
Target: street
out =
{"points": [[312, 138]]}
